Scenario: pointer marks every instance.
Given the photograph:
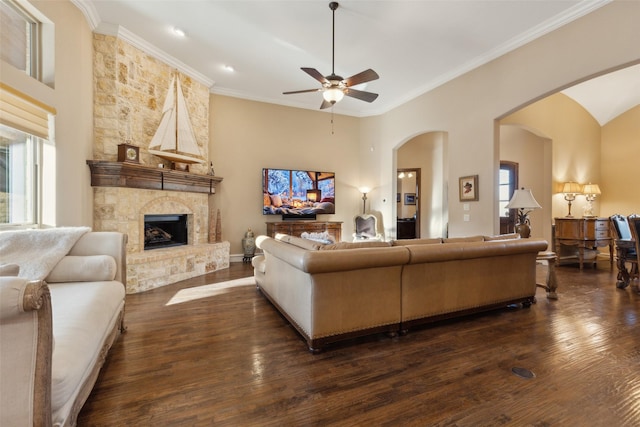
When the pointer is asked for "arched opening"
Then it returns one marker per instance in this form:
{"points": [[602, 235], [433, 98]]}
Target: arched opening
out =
{"points": [[424, 194]]}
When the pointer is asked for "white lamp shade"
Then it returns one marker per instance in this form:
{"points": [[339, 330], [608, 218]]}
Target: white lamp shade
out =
{"points": [[591, 189], [523, 199], [333, 95], [571, 188]]}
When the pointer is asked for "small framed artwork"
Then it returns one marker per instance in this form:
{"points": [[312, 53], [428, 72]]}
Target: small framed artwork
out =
{"points": [[398, 198], [409, 198], [469, 188]]}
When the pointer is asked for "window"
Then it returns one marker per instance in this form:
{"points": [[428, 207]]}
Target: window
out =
{"points": [[20, 38], [18, 177], [25, 154], [508, 182]]}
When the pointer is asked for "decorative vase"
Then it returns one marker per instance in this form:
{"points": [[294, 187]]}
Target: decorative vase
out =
{"points": [[248, 246], [523, 230]]}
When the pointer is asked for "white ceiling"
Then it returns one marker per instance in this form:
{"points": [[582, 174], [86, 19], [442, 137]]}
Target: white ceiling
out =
{"points": [[413, 45]]}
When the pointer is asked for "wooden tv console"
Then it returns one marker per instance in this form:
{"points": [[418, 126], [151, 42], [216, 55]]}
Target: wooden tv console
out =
{"points": [[296, 228]]}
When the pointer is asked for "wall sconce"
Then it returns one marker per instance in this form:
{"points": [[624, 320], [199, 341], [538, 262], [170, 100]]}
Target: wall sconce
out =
{"points": [[590, 191], [364, 191], [314, 195], [523, 200], [570, 190]]}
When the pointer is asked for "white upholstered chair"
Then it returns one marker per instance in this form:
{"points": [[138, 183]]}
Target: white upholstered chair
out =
{"points": [[366, 227]]}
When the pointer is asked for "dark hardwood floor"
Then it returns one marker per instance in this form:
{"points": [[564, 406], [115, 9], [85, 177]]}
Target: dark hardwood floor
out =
{"points": [[198, 355]]}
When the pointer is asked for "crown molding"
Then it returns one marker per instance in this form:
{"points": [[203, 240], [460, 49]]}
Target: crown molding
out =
{"points": [[122, 33]]}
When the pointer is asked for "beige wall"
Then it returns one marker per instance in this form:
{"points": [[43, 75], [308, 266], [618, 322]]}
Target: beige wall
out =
{"points": [[619, 165], [247, 136], [72, 97], [575, 138], [426, 152], [466, 107], [533, 155]]}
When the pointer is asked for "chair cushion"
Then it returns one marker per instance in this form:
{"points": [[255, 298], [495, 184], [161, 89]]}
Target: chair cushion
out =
{"points": [[366, 226]]}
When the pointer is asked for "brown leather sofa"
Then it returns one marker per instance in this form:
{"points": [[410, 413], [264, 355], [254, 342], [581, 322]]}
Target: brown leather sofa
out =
{"points": [[343, 290]]}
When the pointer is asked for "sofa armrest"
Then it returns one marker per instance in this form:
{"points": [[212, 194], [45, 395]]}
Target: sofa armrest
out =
{"points": [[105, 243], [26, 348]]}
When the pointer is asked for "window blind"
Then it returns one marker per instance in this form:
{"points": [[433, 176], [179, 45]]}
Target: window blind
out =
{"points": [[23, 112]]}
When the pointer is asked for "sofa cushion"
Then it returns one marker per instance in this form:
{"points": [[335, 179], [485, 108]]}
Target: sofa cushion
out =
{"points": [[88, 268], [9, 269], [502, 237], [463, 239], [83, 315], [355, 245], [405, 242]]}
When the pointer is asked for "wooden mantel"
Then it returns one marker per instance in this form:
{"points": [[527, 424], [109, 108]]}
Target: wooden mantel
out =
{"points": [[131, 175]]}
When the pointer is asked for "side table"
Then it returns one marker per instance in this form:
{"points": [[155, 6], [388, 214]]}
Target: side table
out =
{"points": [[552, 284]]}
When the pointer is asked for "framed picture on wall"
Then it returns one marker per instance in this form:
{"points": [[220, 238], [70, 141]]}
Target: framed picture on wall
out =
{"points": [[469, 188], [398, 198], [409, 198]]}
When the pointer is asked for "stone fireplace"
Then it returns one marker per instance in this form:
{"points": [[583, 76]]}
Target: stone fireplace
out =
{"points": [[124, 209], [129, 90]]}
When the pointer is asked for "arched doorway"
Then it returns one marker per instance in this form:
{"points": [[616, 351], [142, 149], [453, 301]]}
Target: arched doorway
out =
{"points": [[427, 153]]}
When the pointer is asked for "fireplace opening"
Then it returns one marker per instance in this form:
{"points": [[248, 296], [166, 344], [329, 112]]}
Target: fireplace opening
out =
{"points": [[163, 231]]}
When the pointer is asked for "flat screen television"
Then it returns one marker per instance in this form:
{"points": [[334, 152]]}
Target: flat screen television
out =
{"points": [[298, 193]]}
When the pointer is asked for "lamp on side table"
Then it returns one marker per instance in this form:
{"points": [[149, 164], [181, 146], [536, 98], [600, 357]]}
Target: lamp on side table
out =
{"points": [[524, 201]]}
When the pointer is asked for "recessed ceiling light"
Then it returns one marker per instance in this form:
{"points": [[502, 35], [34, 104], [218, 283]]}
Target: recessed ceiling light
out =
{"points": [[229, 68], [178, 32]]}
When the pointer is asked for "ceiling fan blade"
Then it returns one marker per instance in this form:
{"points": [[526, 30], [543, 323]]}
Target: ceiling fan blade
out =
{"points": [[302, 91], [363, 77], [315, 74], [361, 95], [325, 104]]}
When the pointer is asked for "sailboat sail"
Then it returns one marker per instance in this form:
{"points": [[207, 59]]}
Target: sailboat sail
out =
{"points": [[174, 139]]}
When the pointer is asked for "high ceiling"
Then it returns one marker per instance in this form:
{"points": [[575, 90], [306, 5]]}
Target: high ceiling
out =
{"points": [[413, 45]]}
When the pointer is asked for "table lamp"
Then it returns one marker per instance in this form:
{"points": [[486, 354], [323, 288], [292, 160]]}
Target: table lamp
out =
{"points": [[524, 201], [590, 191], [570, 190]]}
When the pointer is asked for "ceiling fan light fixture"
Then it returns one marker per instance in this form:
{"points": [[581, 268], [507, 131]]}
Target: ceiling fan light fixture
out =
{"points": [[333, 95], [334, 87]]}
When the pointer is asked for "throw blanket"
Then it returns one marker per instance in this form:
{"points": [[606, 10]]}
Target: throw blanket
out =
{"points": [[38, 251]]}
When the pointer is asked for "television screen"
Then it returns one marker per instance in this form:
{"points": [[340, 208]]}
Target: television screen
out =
{"points": [[295, 192]]}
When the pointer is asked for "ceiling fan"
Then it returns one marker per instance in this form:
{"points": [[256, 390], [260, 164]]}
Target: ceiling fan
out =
{"points": [[334, 87]]}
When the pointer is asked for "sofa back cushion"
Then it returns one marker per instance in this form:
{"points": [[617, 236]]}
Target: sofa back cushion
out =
{"points": [[463, 239], [355, 245], [502, 237], [88, 268], [406, 242]]}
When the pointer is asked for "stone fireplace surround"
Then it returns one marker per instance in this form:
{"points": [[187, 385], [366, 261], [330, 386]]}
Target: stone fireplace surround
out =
{"points": [[123, 209], [129, 89]]}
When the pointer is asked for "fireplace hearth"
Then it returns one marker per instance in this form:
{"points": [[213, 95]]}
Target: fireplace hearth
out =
{"points": [[163, 231]]}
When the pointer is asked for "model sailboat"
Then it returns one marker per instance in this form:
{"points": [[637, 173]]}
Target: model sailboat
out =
{"points": [[175, 140]]}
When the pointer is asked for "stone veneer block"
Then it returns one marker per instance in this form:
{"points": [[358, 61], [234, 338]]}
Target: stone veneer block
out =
{"points": [[160, 267]]}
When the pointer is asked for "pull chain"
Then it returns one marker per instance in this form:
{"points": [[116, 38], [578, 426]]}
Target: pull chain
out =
{"points": [[331, 120]]}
